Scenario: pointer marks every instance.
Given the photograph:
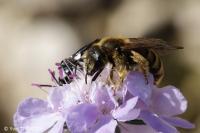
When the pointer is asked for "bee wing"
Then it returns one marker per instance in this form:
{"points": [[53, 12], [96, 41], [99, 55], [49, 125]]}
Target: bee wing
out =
{"points": [[152, 43]]}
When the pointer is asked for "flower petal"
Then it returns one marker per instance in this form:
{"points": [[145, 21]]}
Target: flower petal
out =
{"points": [[129, 128], [105, 124], [137, 85], [102, 98], [33, 106], [36, 124], [34, 115], [104, 75], [178, 122], [126, 111], [168, 101], [58, 127], [82, 117], [62, 97], [156, 123]]}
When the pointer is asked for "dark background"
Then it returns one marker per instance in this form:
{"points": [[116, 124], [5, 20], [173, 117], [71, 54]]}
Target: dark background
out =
{"points": [[35, 34]]}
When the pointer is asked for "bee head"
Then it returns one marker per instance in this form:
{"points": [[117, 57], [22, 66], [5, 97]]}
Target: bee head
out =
{"points": [[95, 60], [69, 67]]}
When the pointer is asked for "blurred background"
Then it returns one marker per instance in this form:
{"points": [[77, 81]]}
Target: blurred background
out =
{"points": [[35, 34]]}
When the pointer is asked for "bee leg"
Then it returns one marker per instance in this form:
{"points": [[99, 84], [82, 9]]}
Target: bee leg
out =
{"points": [[76, 68], [145, 76], [115, 78], [97, 74], [86, 77], [110, 77], [142, 62]]}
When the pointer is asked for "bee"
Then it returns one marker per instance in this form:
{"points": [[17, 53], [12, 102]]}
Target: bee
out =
{"points": [[124, 54]]}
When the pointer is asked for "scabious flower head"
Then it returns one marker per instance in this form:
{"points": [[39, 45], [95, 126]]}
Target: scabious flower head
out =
{"points": [[98, 107], [102, 113]]}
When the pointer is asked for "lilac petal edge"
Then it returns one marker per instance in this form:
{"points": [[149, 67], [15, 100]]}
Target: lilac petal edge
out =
{"points": [[157, 123], [179, 122], [168, 101]]}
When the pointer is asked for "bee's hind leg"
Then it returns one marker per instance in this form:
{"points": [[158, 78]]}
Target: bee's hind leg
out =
{"points": [[143, 64]]}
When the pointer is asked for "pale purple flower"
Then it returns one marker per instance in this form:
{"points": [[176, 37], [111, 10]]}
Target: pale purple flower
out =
{"points": [[37, 116], [97, 107], [159, 106], [103, 113]]}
